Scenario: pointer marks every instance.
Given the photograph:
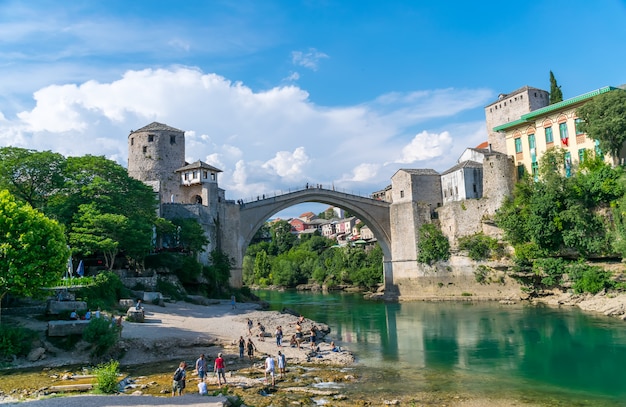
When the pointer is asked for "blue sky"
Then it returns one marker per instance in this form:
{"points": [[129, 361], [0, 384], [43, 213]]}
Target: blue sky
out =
{"points": [[281, 93]]}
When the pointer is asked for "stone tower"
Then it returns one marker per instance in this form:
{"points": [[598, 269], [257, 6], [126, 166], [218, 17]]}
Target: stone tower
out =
{"points": [[498, 178], [155, 152], [511, 107]]}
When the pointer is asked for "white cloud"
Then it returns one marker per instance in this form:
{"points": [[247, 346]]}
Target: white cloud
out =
{"points": [[362, 172], [288, 165], [293, 76], [264, 140], [425, 146], [309, 59]]}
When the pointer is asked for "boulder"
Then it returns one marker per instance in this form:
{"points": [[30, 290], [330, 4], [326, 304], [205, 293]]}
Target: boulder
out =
{"points": [[66, 328], [35, 354], [135, 315], [56, 307]]}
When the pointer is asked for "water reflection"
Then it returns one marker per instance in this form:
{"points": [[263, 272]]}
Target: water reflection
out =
{"points": [[474, 347]]}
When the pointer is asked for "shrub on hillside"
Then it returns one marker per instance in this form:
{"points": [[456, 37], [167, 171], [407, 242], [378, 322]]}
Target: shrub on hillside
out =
{"points": [[480, 247], [101, 334], [590, 279], [14, 341], [433, 246], [105, 292]]}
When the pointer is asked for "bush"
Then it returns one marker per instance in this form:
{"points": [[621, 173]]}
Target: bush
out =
{"points": [[550, 270], [105, 292], [101, 334], [592, 279], [106, 377], [169, 290], [480, 247], [15, 341], [433, 246]]}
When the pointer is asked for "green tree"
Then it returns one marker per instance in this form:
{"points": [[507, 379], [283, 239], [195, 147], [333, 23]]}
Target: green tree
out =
{"points": [[432, 245], [33, 249], [282, 238], [190, 235], [604, 119], [31, 176], [262, 268], [555, 90], [96, 232]]}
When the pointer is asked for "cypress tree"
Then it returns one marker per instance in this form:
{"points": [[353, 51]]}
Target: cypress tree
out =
{"points": [[555, 90]]}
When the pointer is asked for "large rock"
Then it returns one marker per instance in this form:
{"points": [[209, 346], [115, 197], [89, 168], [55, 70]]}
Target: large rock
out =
{"points": [[56, 307], [135, 315], [66, 328], [35, 354]]}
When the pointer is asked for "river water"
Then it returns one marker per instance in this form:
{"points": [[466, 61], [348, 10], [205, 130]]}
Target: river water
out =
{"points": [[534, 354]]}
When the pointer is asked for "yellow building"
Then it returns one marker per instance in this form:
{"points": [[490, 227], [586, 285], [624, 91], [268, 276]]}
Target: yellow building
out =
{"points": [[556, 125]]}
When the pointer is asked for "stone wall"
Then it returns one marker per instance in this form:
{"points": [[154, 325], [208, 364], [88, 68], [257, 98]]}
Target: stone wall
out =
{"points": [[455, 279]]}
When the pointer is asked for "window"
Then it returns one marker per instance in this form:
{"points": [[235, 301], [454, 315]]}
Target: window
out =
{"points": [[581, 155], [534, 167], [577, 126], [549, 137], [132, 141], [474, 186], [401, 194], [144, 149], [185, 176], [568, 164], [206, 174], [195, 174], [518, 145], [212, 176], [520, 171], [598, 149], [172, 139], [150, 138], [563, 132], [531, 141]]}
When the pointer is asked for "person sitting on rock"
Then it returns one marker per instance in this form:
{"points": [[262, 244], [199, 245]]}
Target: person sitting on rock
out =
{"points": [[74, 315]]}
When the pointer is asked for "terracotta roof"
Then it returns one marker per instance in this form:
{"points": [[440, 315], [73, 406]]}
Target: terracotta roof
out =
{"points": [[156, 126], [198, 165], [484, 144]]}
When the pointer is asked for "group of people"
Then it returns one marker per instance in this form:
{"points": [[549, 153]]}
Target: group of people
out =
{"points": [[180, 375], [74, 315]]}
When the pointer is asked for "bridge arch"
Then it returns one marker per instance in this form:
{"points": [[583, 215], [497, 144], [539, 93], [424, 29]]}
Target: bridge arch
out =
{"points": [[372, 212]]}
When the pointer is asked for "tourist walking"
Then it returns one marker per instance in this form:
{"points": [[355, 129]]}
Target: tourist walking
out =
{"points": [[220, 369], [242, 346], [201, 367], [270, 368], [261, 332], [233, 301], [251, 348], [279, 336], [249, 327], [281, 364], [178, 383]]}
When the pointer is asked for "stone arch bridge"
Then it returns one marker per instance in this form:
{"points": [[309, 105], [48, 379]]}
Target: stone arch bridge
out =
{"points": [[252, 215]]}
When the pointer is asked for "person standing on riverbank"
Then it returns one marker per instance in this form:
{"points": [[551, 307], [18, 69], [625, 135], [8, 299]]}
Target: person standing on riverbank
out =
{"points": [[178, 383], [242, 346], [279, 336], [281, 364], [201, 367], [251, 348], [220, 369], [270, 368]]}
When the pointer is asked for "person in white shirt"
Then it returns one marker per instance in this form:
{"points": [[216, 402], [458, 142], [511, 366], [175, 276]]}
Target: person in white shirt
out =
{"points": [[270, 368]]}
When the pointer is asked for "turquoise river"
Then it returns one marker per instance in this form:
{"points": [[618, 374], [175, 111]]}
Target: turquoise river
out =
{"points": [[534, 354]]}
